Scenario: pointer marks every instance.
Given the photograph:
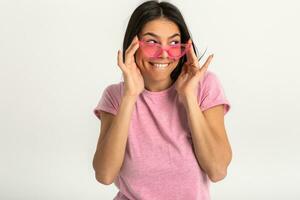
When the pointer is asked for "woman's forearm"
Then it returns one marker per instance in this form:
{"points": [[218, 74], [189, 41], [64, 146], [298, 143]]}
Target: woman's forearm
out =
{"points": [[110, 153], [212, 153]]}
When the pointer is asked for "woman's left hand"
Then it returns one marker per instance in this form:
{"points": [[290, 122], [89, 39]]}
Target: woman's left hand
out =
{"points": [[191, 73]]}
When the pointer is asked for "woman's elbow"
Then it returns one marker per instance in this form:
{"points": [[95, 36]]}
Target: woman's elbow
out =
{"points": [[221, 172], [103, 180], [215, 177]]}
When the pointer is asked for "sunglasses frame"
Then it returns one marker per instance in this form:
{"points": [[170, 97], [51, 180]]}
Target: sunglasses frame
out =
{"points": [[143, 43]]}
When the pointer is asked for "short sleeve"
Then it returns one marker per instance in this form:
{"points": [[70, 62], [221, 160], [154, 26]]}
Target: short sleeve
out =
{"points": [[211, 93], [109, 101]]}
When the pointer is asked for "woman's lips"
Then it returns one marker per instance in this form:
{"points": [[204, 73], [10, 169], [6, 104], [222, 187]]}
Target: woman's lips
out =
{"points": [[160, 65]]}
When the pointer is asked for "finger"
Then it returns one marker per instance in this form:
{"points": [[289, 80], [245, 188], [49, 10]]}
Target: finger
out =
{"points": [[129, 55], [135, 40], [183, 70], [186, 67], [190, 68], [120, 60], [204, 68], [191, 56], [207, 62]]}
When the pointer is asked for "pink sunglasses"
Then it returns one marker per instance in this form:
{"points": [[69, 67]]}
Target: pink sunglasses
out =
{"points": [[154, 50]]}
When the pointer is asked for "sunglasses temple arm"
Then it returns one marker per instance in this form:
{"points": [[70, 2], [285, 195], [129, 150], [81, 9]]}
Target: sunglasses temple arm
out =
{"points": [[202, 54]]}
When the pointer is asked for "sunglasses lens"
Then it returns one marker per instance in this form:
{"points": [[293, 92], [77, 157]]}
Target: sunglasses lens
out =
{"points": [[177, 51], [174, 51], [151, 50]]}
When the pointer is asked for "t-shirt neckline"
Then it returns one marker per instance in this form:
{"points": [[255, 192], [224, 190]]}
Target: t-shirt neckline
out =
{"points": [[159, 93]]}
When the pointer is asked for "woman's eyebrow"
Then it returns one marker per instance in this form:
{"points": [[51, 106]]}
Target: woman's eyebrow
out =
{"points": [[154, 35]]}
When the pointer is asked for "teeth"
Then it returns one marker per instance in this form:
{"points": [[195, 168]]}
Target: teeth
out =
{"points": [[160, 65]]}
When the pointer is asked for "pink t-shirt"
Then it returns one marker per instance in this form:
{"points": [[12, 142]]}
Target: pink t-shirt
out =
{"points": [[159, 162]]}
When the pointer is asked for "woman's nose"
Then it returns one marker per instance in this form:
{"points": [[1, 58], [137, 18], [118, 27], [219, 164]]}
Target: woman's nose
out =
{"points": [[164, 54]]}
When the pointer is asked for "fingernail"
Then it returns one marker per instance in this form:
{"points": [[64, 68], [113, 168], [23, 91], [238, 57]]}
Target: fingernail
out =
{"points": [[212, 55]]}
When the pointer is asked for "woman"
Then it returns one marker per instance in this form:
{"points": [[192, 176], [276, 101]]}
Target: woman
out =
{"points": [[162, 128]]}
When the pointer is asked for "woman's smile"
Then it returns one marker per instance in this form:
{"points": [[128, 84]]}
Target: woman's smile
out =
{"points": [[159, 65]]}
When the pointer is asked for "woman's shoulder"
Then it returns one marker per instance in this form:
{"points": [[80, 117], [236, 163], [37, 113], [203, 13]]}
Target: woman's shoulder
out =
{"points": [[209, 77], [117, 86], [115, 89]]}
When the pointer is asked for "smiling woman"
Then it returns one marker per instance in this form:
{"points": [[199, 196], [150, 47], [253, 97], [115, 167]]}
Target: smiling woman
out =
{"points": [[162, 133]]}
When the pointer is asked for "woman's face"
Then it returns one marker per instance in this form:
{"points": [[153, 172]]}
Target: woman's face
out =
{"points": [[163, 32]]}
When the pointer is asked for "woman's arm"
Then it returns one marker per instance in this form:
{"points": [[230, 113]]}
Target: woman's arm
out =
{"points": [[209, 137], [110, 151]]}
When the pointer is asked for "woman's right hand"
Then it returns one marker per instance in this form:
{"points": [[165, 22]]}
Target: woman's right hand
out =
{"points": [[134, 81]]}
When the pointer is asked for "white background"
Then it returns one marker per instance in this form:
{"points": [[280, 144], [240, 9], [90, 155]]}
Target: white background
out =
{"points": [[57, 56]]}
